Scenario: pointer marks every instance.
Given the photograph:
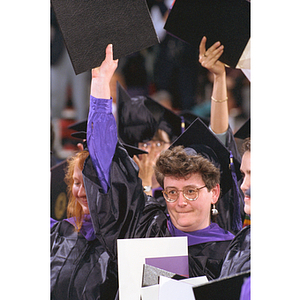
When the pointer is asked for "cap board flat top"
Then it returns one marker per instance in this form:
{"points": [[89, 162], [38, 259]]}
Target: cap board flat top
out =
{"points": [[89, 26], [227, 21]]}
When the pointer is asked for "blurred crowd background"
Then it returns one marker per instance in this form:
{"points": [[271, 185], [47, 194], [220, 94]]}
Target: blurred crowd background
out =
{"points": [[168, 72]]}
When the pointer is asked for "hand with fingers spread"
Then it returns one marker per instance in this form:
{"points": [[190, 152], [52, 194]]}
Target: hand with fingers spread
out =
{"points": [[209, 59]]}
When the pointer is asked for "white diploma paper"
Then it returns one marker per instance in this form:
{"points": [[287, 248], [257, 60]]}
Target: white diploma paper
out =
{"points": [[131, 257]]}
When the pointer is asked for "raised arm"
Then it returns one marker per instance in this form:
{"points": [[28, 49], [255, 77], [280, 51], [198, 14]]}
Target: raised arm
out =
{"points": [[101, 128], [219, 107]]}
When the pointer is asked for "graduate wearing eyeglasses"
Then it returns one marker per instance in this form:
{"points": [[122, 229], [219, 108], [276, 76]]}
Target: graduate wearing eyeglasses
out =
{"points": [[115, 193], [148, 125]]}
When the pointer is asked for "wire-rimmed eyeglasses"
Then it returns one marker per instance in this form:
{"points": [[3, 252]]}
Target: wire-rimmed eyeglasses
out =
{"points": [[190, 193], [156, 144]]}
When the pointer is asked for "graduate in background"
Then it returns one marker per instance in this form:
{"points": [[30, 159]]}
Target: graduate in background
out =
{"points": [[81, 266], [219, 125], [141, 117], [237, 257], [145, 123]]}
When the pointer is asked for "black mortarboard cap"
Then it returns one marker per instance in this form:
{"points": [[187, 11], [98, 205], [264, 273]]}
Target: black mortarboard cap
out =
{"points": [[168, 120], [221, 289], [135, 122], [82, 125], [59, 198], [219, 20], [140, 117], [89, 26], [244, 131], [133, 150], [200, 138], [79, 126], [79, 135]]}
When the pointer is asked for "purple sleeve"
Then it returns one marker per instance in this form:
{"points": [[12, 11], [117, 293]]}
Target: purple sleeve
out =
{"points": [[101, 137], [246, 290]]}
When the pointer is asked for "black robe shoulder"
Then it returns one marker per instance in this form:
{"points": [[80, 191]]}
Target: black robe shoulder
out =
{"points": [[237, 256]]}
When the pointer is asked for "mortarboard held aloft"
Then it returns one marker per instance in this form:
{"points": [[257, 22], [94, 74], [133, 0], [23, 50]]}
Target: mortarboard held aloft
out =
{"points": [[89, 26], [225, 21]]}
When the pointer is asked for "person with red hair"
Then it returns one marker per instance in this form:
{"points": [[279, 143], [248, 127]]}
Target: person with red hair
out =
{"points": [[77, 206], [81, 265]]}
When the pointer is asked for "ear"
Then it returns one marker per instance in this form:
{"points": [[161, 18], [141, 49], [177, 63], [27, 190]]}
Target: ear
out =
{"points": [[215, 194]]}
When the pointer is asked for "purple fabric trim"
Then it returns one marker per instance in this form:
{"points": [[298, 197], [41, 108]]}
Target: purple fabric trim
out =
{"points": [[175, 264], [87, 229], [212, 233]]}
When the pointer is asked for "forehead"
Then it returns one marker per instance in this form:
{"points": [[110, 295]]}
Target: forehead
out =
{"points": [[194, 179], [246, 162], [77, 172]]}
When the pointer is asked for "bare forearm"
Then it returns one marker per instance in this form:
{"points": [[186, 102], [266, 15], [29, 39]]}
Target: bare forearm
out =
{"points": [[100, 88], [219, 106]]}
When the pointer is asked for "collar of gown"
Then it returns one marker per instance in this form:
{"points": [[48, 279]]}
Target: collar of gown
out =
{"points": [[212, 233]]}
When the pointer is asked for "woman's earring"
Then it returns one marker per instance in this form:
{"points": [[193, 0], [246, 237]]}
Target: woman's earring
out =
{"points": [[214, 211]]}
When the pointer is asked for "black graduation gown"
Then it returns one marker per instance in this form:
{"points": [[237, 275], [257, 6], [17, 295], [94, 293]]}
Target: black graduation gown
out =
{"points": [[80, 269], [205, 259], [237, 256], [126, 212], [225, 204], [117, 213], [88, 270]]}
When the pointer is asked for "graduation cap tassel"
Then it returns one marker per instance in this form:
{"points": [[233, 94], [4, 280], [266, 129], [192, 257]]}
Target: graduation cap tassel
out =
{"points": [[236, 220]]}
